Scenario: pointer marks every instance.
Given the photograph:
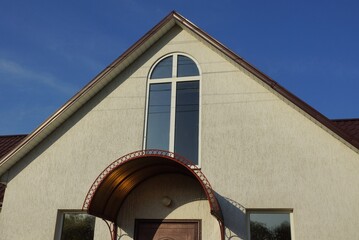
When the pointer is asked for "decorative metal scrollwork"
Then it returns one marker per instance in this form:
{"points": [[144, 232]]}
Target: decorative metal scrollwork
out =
{"points": [[194, 169]]}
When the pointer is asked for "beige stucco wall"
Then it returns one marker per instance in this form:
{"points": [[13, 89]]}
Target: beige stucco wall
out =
{"points": [[188, 202], [256, 150]]}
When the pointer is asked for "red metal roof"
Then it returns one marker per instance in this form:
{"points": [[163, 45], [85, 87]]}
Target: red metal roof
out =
{"points": [[351, 126], [7, 143]]}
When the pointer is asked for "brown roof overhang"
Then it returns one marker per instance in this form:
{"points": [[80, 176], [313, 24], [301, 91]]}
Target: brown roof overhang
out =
{"points": [[115, 183], [128, 57], [270, 82], [94, 86]]}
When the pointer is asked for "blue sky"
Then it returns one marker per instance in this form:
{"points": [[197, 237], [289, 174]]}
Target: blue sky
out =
{"points": [[49, 50]]}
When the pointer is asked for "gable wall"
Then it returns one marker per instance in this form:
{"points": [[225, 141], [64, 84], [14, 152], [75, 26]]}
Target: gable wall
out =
{"points": [[261, 153], [58, 173], [257, 152]]}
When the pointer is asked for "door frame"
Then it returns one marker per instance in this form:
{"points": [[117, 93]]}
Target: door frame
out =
{"points": [[197, 221]]}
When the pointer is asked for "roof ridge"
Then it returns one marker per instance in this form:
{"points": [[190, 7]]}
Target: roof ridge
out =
{"points": [[105, 76], [312, 112]]}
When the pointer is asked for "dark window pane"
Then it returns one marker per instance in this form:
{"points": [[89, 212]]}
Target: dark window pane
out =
{"points": [[77, 226], [187, 120], [272, 226], [163, 69], [158, 120], [186, 67]]}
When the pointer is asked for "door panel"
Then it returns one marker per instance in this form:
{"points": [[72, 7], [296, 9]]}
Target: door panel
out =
{"points": [[167, 230]]}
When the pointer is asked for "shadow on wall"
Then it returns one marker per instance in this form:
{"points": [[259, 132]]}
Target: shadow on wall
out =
{"points": [[173, 196], [234, 215], [183, 190]]}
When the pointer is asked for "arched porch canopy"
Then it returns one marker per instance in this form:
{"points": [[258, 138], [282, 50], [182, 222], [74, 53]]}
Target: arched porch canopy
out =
{"points": [[112, 186]]}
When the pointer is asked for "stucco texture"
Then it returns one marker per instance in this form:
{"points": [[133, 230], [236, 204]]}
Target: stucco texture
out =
{"points": [[188, 201], [257, 150]]}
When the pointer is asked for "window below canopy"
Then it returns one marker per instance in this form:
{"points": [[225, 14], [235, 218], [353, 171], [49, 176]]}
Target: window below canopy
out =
{"points": [[75, 225], [269, 224]]}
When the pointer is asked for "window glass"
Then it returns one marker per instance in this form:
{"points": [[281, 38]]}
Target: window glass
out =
{"points": [[186, 67], [158, 119], [173, 107], [76, 226], [163, 69], [187, 120], [271, 226]]}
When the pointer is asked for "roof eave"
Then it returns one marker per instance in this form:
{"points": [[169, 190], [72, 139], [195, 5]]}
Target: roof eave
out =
{"points": [[306, 108], [93, 87], [125, 59]]}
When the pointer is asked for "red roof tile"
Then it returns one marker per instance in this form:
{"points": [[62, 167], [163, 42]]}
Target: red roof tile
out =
{"points": [[7, 143], [351, 126]]}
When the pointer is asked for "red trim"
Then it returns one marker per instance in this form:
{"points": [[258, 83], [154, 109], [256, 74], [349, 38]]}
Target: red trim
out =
{"points": [[173, 158], [268, 81], [50, 120], [220, 47]]}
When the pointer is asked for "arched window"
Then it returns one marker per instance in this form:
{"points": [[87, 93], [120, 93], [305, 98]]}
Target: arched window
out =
{"points": [[172, 121]]}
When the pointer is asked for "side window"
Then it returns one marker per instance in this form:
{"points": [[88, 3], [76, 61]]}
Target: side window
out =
{"points": [[75, 225], [273, 225], [172, 121]]}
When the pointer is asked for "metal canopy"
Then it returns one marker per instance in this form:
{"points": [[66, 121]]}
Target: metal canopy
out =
{"points": [[114, 184]]}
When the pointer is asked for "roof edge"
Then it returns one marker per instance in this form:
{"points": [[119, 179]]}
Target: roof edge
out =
{"points": [[39, 133], [270, 82], [86, 89], [344, 119]]}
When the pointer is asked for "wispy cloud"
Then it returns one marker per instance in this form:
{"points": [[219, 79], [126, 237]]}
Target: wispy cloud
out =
{"points": [[75, 51], [21, 73]]}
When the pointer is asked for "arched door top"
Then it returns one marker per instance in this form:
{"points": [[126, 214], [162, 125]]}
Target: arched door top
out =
{"points": [[112, 186]]}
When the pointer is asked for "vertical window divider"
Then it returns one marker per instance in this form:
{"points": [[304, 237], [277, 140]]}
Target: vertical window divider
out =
{"points": [[173, 117], [199, 121], [146, 113], [174, 66], [185, 77], [173, 103]]}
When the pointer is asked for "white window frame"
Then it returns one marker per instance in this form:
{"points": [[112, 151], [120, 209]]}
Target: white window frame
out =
{"points": [[174, 80], [270, 211]]}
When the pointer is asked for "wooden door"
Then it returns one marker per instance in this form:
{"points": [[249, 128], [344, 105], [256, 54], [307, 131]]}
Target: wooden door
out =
{"points": [[167, 230]]}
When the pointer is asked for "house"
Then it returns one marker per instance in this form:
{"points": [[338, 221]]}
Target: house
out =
{"points": [[180, 138]]}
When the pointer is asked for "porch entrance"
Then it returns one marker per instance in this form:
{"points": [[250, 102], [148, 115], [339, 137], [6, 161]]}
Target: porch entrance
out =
{"points": [[124, 190], [167, 230]]}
